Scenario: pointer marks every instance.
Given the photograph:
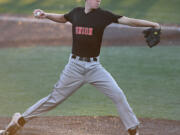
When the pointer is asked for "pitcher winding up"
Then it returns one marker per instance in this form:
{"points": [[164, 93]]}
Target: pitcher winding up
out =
{"points": [[88, 24]]}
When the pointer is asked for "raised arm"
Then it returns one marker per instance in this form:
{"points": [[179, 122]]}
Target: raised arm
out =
{"points": [[137, 22], [51, 16]]}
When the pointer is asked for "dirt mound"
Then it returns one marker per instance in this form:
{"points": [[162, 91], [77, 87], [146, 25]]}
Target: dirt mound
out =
{"points": [[86, 125], [27, 31]]}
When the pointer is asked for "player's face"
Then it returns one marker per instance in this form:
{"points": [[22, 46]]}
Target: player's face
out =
{"points": [[93, 4]]}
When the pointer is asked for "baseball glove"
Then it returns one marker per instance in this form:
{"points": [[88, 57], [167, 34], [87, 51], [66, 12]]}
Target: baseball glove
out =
{"points": [[152, 36]]}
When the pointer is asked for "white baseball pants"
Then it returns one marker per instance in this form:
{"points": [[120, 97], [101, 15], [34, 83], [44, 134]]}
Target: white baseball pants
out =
{"points": [[75, 74]]}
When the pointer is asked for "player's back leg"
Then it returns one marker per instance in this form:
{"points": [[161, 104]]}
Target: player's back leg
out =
{"points": [[103, 81]]}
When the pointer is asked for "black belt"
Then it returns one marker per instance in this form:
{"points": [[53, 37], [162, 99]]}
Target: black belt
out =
{"points": [[87, 59]]}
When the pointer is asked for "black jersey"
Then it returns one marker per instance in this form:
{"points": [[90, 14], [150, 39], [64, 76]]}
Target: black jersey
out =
{"points": [[87, 29]]}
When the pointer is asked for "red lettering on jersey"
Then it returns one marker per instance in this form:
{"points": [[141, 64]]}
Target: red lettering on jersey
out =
{"points": [[83, 31], [86, 31], [80, 30], [90, 32], [77, 30]]}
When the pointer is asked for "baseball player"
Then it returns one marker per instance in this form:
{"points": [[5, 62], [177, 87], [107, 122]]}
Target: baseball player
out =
{"points": [[88, 24]]}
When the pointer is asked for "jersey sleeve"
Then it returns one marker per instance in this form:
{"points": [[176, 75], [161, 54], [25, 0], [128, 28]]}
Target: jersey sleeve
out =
{"points": [[69, 16], [112, 18]]}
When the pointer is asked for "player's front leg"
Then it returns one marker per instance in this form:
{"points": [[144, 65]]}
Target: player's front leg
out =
{"points": [[69, 82], [16, 123]]}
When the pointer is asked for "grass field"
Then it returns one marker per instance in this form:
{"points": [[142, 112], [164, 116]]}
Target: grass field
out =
{"points": [[149, 78], [163, 11]]}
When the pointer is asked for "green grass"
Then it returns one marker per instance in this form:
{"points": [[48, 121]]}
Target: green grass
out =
{"points": [[163, 11], [148, 77]]}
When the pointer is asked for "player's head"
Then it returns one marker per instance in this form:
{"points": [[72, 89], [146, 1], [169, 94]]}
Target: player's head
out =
{"points": [[93, 4]]}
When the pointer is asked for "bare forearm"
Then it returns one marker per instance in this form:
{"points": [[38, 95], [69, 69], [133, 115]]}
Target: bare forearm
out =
{"points": [[138, 22], [142, 23], [56, 17], [38, 13]]}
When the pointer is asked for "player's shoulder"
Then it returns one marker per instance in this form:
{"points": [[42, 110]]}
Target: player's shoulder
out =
{"points": [[107, 12], [104, 10], [78, 8]]}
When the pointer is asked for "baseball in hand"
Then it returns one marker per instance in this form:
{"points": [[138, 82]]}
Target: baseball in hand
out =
{"points": [[38, 13]]}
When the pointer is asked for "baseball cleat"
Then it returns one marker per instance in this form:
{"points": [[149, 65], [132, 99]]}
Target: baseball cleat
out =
{"points": [[133, 131], [2, 132], [16, 123]]}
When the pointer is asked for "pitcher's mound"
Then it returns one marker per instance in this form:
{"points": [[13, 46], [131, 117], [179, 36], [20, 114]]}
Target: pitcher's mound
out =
{"points": [[88, 125]]}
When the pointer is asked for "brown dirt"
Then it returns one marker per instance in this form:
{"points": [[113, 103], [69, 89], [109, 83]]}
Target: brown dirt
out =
{"points": [[86, 125], [20, 33]]}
